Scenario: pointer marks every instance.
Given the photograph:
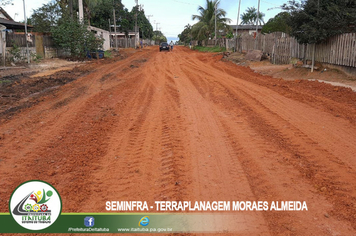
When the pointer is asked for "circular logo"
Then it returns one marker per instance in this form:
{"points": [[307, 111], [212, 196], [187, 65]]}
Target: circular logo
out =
{"points": [[35, 205], [144, 221]]}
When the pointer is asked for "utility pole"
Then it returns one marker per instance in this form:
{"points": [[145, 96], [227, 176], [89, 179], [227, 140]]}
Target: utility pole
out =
{"points": [[149, 16], [314, 48], [81, 11], [71, 8], [2, 43], [115, 28], [237, 25], [157, 30], [258, 16], [28, 53], [215, 20], [141, 9], [136, 39], [238, 17], [113, 11]]}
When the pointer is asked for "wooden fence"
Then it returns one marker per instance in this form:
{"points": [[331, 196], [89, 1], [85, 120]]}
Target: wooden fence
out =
{"points": [[337, 50], [123, 43], [19, 40]]}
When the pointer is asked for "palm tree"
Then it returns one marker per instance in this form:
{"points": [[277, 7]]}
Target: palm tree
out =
{"points": [[249, 17], [205, 28]]}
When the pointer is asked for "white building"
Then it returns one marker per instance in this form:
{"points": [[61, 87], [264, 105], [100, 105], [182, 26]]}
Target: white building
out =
{"points": [[104, 34]]}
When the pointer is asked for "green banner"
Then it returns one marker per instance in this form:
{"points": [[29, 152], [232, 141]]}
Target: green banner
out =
{"points": [[132, 223]]}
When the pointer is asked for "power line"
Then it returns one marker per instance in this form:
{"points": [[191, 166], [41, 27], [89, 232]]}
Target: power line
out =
{"points": [[185, 2], [271, 3]]}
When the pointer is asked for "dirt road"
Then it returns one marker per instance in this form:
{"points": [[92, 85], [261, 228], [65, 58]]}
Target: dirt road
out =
{"points": [[188, 126]]}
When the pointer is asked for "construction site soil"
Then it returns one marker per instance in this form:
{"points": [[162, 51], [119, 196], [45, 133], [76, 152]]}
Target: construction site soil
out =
{"points": [[184, 126]]}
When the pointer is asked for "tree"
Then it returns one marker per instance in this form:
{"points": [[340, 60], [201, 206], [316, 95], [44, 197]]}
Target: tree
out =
{"points": [[145, 27], [159, 37], [314, 21], [249, 17], [205, 28], [125, 21], [45, 17], [277, 24], [101, 13], [186, 36], [89, 6], [5, 2], [75, 36]]}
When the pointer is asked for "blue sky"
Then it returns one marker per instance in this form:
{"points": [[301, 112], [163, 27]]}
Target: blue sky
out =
{"points": [[172, 15]]}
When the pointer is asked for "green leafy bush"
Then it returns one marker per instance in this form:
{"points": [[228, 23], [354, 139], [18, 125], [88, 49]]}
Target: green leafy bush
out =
{"points": [[75, 37], [15, 52]]}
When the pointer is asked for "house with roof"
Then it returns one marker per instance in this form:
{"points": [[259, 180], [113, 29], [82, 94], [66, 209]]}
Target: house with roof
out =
{"points": [[11, 30], [9, 23], [246, 29]]}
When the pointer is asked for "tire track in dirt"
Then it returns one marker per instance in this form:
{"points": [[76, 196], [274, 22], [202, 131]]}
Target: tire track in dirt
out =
{"points": [[217, 175], [330, 101], [46, 130], [258, 159], [257, 179], [252, 111], [145, 144]]}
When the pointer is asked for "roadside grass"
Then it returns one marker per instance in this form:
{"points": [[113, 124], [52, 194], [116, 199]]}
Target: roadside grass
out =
{"points": [[5, 82], [209, 49], [107, 54]]}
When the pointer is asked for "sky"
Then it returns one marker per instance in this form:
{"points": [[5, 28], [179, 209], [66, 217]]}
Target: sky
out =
{"points": [[172, 15]]}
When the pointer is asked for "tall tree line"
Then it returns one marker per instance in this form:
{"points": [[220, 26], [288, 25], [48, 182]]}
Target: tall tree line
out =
{"points": [[96, 13]]}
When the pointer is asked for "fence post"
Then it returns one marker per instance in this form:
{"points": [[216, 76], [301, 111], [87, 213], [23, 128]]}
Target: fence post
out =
{"points": [[305, 54], [313, 58], [274, 49], [39, 46]]}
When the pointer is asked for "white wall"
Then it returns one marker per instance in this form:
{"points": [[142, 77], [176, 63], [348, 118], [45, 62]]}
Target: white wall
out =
{"points": [[100, 33]]}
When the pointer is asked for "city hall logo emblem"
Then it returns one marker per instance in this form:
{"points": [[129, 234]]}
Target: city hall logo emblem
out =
{"points": [[35, 205]]}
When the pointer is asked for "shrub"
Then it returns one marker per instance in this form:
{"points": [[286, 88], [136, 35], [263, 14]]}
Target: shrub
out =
{"points": [[75, 37]]}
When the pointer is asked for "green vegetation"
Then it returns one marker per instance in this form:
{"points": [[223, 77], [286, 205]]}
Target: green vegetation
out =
{"points": [[97, 13], [277, 24], [314, 21], [15, 52], [108, 54], [186, 36], [5, 2], [159, 37], [45, 17], [205, 28], [35, 57], [249, 17], [209, 49], [76, 38], [4, 82], [60, 18]]}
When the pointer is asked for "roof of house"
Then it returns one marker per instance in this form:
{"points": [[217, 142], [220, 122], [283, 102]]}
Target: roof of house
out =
{"points": [[13, 24], [10, 23], [4, 13], [247, 27], [98, 29]]}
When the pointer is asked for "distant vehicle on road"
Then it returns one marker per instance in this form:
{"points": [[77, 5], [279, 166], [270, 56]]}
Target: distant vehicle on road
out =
{"points": [[163, 46]]}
